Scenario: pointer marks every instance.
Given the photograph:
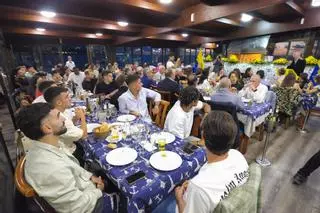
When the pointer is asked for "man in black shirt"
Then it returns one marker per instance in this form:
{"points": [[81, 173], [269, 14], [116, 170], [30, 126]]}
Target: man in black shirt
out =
{"points": [[107, 86], [298, 64]]}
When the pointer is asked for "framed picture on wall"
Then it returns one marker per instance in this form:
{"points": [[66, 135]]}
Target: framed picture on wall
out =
{"points": [[281, 49], [301, 45]]}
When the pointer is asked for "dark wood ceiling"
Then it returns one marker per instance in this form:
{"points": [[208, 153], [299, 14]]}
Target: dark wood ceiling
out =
{"points": [[149, 20]]}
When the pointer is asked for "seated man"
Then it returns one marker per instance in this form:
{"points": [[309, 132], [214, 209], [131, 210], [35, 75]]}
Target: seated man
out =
{"points": [[107, 86], [147, 78], [224, 94], [169, 84], [60, 99], [254, 90], [180, 118], [159, 76], [134, 101], [42, 87], [52, 171], [225, 170]]}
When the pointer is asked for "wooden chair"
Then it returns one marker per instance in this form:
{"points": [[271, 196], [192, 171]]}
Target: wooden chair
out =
{"points": [[26, 190], [160, 118]]}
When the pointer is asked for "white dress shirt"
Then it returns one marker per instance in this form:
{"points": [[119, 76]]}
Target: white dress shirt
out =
{"points": [[73, 133], [57, 177], [258, 96], [179, 122], [78, 79], [39, 99], [127, 102], [70, 64], [159, 77]]}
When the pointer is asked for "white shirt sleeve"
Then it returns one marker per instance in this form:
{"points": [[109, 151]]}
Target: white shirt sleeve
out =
{"points": [[152, 94], [199, 105], [197, 200], [175, 125]]}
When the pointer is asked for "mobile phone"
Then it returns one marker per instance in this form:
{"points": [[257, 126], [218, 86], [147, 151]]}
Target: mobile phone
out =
{"points": [[190, 146], [187, 150], [137, 176]]}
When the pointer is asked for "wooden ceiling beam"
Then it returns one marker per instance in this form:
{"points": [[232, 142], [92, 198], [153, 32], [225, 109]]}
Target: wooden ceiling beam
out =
{"points": [[296, 7], [141, 4], [312, 20], [55, 33], [203, 14], [21, 14], [169, 37]]}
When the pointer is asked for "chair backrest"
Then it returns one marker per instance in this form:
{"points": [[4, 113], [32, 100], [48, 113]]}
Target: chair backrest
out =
{"points": [[245, 198], [271, 97], [163, 111], [24, 188], [232, 110]]}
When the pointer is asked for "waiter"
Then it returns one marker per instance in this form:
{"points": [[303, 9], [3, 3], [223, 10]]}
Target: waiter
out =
{"points": [[298, 64]]}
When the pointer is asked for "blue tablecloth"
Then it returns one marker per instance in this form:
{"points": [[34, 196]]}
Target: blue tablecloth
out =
{"points": [[308, 101], [148, 192], [255, 110]]}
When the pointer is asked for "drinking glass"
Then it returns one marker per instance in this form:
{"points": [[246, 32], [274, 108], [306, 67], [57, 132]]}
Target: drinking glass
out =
{"points": [[101, 116], [162, 146]]}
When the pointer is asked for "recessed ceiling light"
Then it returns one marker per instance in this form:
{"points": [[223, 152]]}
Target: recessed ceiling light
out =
{"points": [[165, 1], [315, 3], [48, 14], [99, 34], [40, 29], [185, 35], [245, 17], [123, 23]]}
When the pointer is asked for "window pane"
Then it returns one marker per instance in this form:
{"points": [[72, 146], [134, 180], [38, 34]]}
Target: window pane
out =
{"points": [[136, 55], [146, 55], [99, 55], [120, 56], [181, 54], [156, 56], [128, 55], [187, 57], [50, 56], [168, 52], [77, 52], [193, 56]]}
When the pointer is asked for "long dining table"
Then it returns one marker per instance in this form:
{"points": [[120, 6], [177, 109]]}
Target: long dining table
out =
{"points": [[146, 193]]}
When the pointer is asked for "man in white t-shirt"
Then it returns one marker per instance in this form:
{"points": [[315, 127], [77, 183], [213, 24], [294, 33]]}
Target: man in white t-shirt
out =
{"points": [[180, 118], [76, 77], [225, 170], [70, 64], [60, 99], [170, 62], [42, 88]]}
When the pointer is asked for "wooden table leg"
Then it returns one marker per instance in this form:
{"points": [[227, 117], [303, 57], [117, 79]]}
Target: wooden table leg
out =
{"points": [[244, 142]]}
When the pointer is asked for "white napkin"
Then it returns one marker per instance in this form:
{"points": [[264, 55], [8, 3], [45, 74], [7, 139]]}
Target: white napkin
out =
{"points": [[148, 146]]}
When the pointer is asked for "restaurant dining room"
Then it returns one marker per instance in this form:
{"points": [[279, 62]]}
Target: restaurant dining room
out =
{"points": [[125, 106]]}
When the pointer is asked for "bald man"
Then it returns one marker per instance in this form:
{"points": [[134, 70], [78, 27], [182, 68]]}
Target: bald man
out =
{"points": [[254, 90], [224, 94]]}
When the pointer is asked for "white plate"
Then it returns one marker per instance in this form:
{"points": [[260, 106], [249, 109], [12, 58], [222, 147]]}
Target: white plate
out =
{"points": [[165, 161], [110, 140], [126, 118], [165, 135], [121, 156], [91, 126]]}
